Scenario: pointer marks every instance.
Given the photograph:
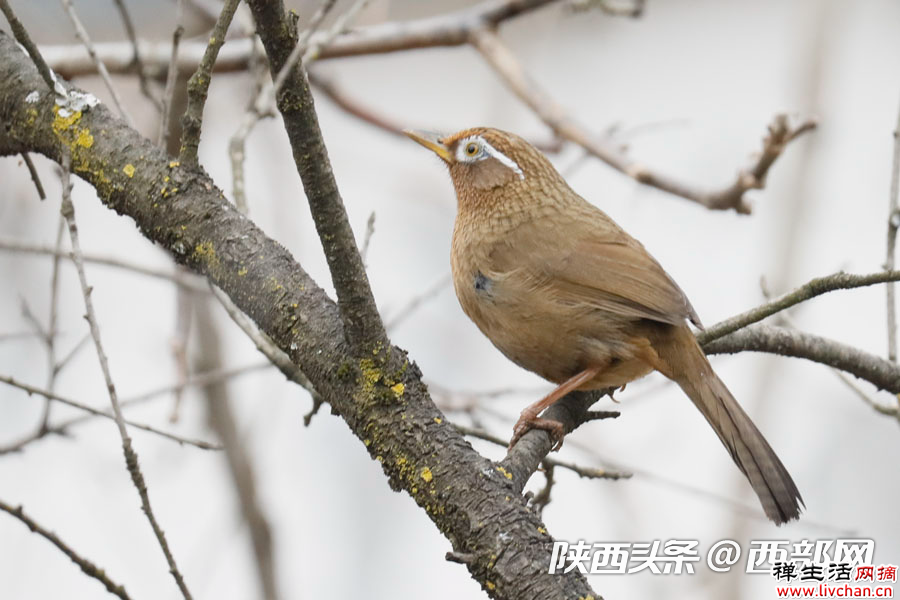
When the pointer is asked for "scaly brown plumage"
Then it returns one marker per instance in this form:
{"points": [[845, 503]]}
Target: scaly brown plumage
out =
{"points": [[563, 291]]}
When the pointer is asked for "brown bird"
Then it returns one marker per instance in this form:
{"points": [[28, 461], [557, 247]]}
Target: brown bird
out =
{"points": [[563, 291]]}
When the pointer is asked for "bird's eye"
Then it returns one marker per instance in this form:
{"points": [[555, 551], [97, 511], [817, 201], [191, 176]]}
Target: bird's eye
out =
{"points": [[471, 149]]}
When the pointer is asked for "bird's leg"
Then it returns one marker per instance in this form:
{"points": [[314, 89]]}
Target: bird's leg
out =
{"points": [[529, 418]]}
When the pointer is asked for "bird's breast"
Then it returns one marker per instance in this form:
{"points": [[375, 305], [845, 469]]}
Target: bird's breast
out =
{"points": [[513, 314]]}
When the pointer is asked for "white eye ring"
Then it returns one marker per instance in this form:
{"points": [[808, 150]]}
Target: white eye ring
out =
{"points": [[475, 148]]}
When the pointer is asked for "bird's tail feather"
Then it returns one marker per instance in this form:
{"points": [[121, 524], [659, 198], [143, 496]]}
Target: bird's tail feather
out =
{"points": [[683, 361]]}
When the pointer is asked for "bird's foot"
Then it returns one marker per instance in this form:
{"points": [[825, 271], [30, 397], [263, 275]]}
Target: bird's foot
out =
{"points": [[528, 421]]}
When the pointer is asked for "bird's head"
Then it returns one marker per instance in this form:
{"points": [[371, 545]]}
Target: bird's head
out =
{"points": [[483, 159]]}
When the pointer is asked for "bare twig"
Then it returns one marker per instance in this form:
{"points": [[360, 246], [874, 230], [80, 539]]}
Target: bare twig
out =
{"points": [[416, 301], [34, 176], [82, 35], [451, 29], [19, 335], [30, 389], [53, 367], [352, 106], [367, 238], [223, 422], [131, 459], [505, 64], [21, 35], [585, 472], [198, 87], [238, 142], [633, 10], [87, 567], [893, 224], [136, 57], [204, 378], [788, 342], [785, 318], [201, 379], [811, 289], [891, 411], [265, 345], [299, 49], [184, 308], [190, 283], [165, 118], [540, 500], [61, 364], [262, 105]]}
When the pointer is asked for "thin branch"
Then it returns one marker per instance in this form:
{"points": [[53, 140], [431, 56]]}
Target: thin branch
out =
{"points": [[811, 289], [238, 142], [788, 342], [584, 472], [262, 104], [19, 335], [165, 118], [82, 35], [222, 420], [299, 49], [417, 301], [184, 309], [64, 361], [198, 87], [34, 176], [30, 389], [201, 379], [540, 500], [450, 29], [785, 318], [86, 566], [362, 323], [893, 225], [507, 66], [204, 378], [131, 458], [367, 238], [633, 10], [136, 56], [891, 411], [265, 345], [352, 106], [53, 368], [11, 245], [21, 35]]}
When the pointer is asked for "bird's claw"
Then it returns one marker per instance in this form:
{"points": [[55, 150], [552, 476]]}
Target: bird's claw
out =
{"points": [[527, 422]]}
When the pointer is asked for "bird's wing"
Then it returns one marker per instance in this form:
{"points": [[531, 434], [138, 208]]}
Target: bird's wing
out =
{"points": [[599, 267]]}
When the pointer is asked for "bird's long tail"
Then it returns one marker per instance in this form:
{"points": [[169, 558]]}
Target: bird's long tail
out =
{"points": [[682, 360]]}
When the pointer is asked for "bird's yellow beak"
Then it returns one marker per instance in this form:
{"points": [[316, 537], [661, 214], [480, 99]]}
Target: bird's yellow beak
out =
{"points": [[432, 141]]}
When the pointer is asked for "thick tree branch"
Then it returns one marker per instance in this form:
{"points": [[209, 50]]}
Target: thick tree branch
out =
{"points": [[383, 401]]}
